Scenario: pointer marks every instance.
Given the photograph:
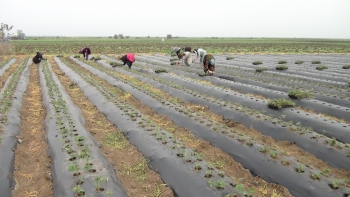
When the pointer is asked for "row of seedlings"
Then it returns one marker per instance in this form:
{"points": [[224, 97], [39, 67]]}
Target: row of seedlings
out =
{"points": [[234, 145], [243, 71], [80, 169], [292, 115], [10, 105], [241, 76], [4, 65], [181, 167], [317, 106], [129, 163], [301, 135]]}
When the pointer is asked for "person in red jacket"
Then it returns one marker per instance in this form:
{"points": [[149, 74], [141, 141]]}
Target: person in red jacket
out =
{"points": [[127, 59]]}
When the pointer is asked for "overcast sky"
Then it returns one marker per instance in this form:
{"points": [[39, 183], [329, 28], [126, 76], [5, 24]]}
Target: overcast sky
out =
{"points": [[188, 18]]}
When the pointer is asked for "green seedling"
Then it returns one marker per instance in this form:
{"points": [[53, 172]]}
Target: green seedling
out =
{"points": [[208, 174], [316, 176], [221, 173], [99, 181], [335, 184], [263, 149], [78, 190], [333, 142], [197, 167], [200, 156], [273, 154], [73, 167], [218, 184], [300, 169]]}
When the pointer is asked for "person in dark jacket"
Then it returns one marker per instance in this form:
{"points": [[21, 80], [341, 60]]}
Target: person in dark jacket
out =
{"points": [[86, 52], [127, 59], [38, 57], [209, 64]]}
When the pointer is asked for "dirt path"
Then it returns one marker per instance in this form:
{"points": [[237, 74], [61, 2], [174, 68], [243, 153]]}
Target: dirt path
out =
{"points": [[32, 164]]}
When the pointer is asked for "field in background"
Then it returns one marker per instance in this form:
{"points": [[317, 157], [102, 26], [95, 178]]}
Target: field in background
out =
{"points": [[61, 45]]}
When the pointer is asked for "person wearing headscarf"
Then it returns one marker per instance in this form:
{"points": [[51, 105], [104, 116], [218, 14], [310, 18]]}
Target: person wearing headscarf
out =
{"points": [[209, 64], [200, 53], [38, 57], [128, 59]]}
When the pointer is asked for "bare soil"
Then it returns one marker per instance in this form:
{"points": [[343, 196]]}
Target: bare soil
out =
{"points": [[32, 164]]}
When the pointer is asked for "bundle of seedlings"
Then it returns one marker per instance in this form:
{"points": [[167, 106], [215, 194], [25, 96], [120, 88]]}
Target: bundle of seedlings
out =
{"points": [[316, 62], [282, 61], [321, 67], [299, 62], [282, 67], [230, 58], [76, 56], [299, 94], [160, 70], [97, 58], [257, 62], [173, 59], [280, 103], [261, 69], [346, 66], [115, 64]]}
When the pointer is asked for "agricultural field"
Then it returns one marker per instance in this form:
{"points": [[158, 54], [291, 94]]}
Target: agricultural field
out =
{"points": [[69, 46], [265, 125]]}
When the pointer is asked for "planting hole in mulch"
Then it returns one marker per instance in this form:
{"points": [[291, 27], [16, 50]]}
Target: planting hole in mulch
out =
{"points": [[76, 174], [100, 189], [72, 158], [231, 123]]}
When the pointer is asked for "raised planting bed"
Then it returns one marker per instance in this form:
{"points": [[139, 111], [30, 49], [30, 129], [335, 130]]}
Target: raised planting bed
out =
{"points": [[10, 106], [5, 65], [321, 67], [282, 61], [280, 103], [261, 69], [144, 99], [80, 169], [317, 123], [168, 155], [257, 62], [299, 94], [323, 95], [8, 61], [216, 106], [282, 67]]}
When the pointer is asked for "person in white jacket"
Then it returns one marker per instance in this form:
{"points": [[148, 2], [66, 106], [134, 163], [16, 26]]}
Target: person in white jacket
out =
{"points": [[200, 54]]}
